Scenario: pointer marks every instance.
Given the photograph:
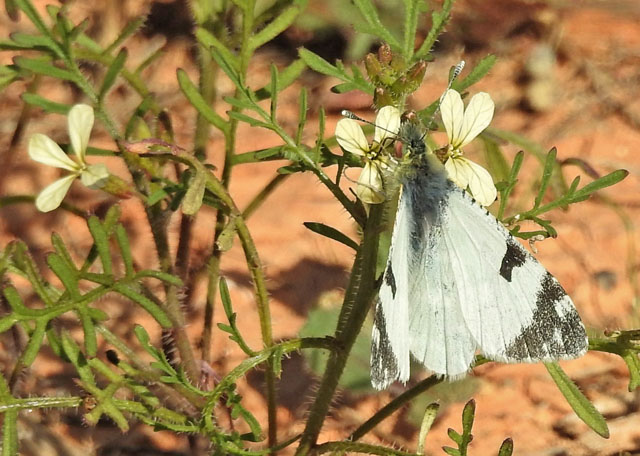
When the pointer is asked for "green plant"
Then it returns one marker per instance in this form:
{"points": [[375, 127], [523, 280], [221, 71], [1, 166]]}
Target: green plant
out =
{"points": [[57, 49]]}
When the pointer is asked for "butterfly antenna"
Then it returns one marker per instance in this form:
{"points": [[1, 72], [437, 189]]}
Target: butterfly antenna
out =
{"points": [[349, 115], [454, 75]]}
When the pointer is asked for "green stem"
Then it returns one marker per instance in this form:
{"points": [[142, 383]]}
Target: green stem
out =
{"points": [[358, 297], [355, 447]]}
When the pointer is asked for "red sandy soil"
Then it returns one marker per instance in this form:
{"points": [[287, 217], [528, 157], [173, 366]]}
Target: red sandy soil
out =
{"points": [[589, 109]]}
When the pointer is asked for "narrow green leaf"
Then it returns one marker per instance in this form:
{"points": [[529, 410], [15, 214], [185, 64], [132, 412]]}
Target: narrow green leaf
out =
{"points": [[61, 249], [496, 161], [33, 16], [67, 275], [46, 105], [549, 165], [598, 184], [101, 241], [112, 73], [125, 250], [228, 233], [578, 402], [192, 200], [35, 342], [128, 30], [411, 10], [451, 451], [23, 260], [10, 433], [511, 182], [12, 9], [630, 358], [439, 21], [302, 115], [370, 14], [250, 120], [211, 42], [165, 277], [468, 415], [331, 233], [225, 297], [318, 64], [277, 26], [195, 98], [154, 310], [455, 436], [274, 92], [44, 68], [27, 41], [506, 449], [287, 77], [428, 418], [90, 340]]}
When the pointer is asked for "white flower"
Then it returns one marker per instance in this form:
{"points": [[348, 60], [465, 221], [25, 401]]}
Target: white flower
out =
{"points": [[462, 127], [352, 139], [44, 150]]}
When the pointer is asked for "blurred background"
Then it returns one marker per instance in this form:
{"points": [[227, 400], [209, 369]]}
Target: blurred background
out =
{"points": [[568, 75]]}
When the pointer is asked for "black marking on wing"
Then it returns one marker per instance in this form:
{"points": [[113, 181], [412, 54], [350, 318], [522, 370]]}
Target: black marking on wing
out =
{"points": [[514, 257], [538, 340], [384, 365], [390, 280]]}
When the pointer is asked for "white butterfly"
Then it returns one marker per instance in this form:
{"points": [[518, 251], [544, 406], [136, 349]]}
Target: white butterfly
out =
{"points": [[456, 280]]}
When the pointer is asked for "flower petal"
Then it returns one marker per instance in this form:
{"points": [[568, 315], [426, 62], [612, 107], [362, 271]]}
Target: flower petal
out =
{"points": [[477, 117], [52, 195], [351, 137], [44, 150], [369, 188], [80, 124], [387, 124], [458, 171], [481, 184], [94, 176], [452, 112]]}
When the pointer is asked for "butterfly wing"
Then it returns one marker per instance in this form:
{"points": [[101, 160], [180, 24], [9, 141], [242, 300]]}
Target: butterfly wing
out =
{"points": [[514, 308]]}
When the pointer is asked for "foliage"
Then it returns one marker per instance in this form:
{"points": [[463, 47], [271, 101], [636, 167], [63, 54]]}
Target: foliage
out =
{"points": [[169, 392]]}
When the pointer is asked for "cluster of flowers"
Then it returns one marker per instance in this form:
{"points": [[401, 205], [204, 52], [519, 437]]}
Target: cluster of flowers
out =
{"points": [[462, 126]]}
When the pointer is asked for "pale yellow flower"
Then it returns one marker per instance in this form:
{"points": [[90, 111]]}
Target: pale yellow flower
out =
{"points": [[352, 139], [44, 150], [462, 126]]}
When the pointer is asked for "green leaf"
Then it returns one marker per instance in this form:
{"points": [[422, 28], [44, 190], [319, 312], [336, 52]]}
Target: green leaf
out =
{"points": [[630, 358], [132, 27], [228, 233], [195, 98], [506, 449], [274, 92], [598, 184], [35, 342], [218, 48], [195, 192], [411, 16], [26, 41], [89, 330], [45, 68], [46, 105], [164, 276], [112, 73], [154, 310], [10, 433], [439, 21], [331, 233], [101, 240], [250, 120], [468, 415], [496, 161], [478, 72], [317, 63], [578, 402], [549, 165], [277, 26], [370, 14], [125, 250], [511, 182], [67, 275], [428, 418], [287, 77], [302, 117]]}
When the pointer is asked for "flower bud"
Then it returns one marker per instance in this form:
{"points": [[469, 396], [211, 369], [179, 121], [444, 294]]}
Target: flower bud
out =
{"points": [[384, 54]]}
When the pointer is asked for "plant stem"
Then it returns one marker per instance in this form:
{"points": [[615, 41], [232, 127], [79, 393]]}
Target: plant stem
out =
{"points": [[358, 297]]}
